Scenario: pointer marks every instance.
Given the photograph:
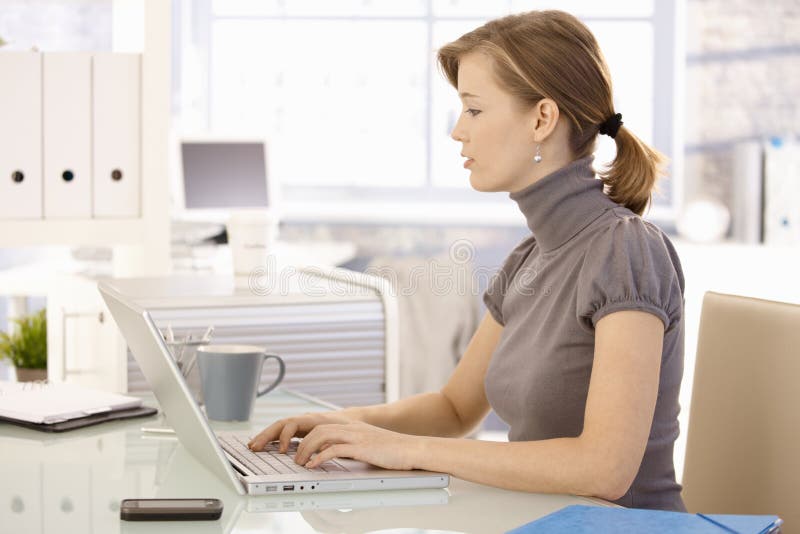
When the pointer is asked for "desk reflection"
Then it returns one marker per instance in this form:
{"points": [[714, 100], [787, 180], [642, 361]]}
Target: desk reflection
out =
{"points": [[74, 482], [463, 507], [71, 482], [180, 475]]}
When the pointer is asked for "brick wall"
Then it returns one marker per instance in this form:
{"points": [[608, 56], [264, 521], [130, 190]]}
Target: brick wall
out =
{"points": [[78, 25], [743, 83]]}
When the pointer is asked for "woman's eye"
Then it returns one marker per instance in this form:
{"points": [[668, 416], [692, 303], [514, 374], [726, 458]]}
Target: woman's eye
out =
{"points": [[473, 112]]}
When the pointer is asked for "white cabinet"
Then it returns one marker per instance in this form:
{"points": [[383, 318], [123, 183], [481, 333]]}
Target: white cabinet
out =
{"points": [[83, 343]]}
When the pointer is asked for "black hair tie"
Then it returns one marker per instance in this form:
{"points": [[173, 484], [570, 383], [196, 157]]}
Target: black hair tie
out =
{"points": [[611, 126]]}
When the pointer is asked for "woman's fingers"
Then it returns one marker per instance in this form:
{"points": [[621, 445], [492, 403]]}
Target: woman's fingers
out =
{"points": [[265, 436], [285, 429], [288, 432], [340, 450], [331, 434]]}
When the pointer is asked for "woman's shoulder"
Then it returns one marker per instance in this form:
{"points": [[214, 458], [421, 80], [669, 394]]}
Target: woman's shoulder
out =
{"points": [[524, 247], [515, 259], [622, 223], [518, 254], [625, 235], [629, 264]]}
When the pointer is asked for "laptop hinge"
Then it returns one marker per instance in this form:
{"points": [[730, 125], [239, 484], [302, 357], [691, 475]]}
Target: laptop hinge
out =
{"points": [[237, 465]]}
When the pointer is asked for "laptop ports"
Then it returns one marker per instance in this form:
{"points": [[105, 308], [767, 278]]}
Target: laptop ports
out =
{"points": [[288, 487]]}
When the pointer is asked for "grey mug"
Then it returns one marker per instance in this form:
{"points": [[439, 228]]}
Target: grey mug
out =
{"points": [[230, 376]]}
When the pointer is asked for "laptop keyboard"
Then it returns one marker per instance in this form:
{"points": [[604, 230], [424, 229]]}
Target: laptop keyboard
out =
{"points": [[270, 461]]}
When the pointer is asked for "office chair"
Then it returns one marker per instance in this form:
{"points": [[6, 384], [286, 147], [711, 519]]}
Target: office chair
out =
{"points": [[743, 442]]}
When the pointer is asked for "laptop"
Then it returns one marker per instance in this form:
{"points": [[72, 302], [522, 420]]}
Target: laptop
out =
{"points": [[225, 454]]}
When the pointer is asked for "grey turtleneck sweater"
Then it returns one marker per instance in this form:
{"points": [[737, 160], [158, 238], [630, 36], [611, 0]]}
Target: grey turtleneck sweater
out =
{"points": [[587, 257]]}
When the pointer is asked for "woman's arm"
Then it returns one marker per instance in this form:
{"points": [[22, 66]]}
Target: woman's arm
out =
{"points": [[451, 412], [602, 461], [457, 408]]}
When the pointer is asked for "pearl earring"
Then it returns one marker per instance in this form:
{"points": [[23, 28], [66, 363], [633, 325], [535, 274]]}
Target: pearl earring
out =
{"points": [[538, 157]]}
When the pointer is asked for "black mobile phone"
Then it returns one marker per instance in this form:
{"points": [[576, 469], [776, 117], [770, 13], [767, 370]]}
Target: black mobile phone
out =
{"points": [[170, 509]]}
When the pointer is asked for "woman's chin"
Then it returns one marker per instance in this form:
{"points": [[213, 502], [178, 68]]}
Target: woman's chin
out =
{"points": [[482, 186]]}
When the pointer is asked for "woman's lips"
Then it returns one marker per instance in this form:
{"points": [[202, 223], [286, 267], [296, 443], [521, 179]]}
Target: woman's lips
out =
{"points": [[468, 162]]}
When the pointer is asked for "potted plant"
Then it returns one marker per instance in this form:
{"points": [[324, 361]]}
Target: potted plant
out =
{"points": [[26, 347]]}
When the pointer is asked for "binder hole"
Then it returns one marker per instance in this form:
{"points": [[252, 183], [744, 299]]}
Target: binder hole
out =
{"points": [[67, 175], [17, 176], [116, 175]]}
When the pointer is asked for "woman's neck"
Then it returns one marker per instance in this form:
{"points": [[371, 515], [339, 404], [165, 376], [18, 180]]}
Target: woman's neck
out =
{"points": [[554, 156]]}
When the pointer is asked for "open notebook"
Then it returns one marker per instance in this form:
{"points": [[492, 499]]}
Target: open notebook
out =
{"points": [[48, 404]]}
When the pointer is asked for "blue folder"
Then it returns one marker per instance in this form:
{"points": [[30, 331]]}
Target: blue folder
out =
{"points": [[577, 519]]}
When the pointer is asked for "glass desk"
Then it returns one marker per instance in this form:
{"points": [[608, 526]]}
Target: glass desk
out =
{"points": [[73, 482]]}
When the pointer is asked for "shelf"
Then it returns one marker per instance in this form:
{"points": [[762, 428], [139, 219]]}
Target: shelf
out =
{"points": [[94, 232], [138, 26]]}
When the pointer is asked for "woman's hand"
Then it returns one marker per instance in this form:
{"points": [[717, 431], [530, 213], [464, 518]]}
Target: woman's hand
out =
{"points": [[285, 429], [337, 435], [359, 441]]}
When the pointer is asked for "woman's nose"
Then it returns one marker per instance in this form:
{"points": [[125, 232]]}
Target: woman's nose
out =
{"points": [[456, 133]]}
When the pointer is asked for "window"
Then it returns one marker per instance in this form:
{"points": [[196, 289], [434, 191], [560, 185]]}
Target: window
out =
{"points": [[357, 115]]}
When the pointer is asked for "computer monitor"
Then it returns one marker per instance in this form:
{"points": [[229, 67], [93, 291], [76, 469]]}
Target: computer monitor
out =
{"points": [[218, 175]]}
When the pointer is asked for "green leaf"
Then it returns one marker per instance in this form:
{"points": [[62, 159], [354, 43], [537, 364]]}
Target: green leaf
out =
{"points": [[27, 346]]}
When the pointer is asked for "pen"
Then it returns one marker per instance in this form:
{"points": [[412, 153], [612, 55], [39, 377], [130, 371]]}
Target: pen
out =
{"points": [[183, 347], [189, 364], [157, 430], [720, 525], [209, 331]]}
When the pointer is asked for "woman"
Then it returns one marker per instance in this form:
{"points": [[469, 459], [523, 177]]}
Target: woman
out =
{"points": [[581, 351]]}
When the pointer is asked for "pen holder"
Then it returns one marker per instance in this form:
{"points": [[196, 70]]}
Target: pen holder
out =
{"points": [[185, 354]]}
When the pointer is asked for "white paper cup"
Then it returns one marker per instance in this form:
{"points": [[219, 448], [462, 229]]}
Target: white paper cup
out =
{"points": [[251, 238]]}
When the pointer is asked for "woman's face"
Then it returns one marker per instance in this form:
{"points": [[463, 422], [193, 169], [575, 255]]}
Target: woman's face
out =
{"points": [[495, 133]]}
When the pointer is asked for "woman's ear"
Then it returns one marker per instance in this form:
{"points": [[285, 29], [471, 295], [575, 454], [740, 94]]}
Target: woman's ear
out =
{"points": [[545, 119]]}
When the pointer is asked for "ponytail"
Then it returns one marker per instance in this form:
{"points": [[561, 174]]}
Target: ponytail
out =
{"points": [[632, 176]]}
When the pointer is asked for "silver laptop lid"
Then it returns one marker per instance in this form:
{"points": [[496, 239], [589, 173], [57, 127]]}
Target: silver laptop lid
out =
{"points": [[163, 375]]}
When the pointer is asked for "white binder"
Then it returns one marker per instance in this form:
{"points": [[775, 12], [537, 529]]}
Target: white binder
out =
{"points": [[67, 107], [782, 192], [116, 131], [21, 135], [748, 180]]}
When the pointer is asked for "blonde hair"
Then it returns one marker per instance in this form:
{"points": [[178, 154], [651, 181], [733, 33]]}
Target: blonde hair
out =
{"points": [[551, 54]]}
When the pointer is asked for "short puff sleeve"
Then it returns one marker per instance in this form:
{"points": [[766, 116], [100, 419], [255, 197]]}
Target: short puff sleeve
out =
{"points": [[499, 283], [630, 265]]}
